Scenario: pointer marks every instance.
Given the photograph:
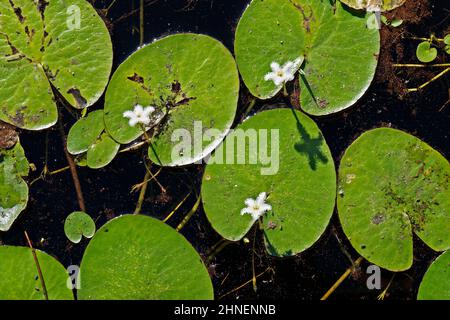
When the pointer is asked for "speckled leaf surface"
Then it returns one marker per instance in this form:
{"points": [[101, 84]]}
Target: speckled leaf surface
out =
{"points": [[140, 258], [13, 189], [102, 151], [77, 225], [384, 5], [85, 132], [435, 284], [43, 45], [193, 74], [392, 184], [340, 52], [19, 279], [302, 192]]}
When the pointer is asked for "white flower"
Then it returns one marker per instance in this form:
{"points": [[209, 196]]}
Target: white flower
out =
{"points": [[286, 73], [256, 208], [139, 115]]}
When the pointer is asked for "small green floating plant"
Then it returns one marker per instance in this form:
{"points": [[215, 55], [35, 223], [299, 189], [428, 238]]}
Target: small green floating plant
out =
{"points": [[77, 225], [336, 52], [435, 284], [391, 185], [46, 47], [291, 200], [13, 189]]}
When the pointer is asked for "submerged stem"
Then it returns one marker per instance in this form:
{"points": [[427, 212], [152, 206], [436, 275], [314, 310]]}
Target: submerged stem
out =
{"points": [[38, 266]]}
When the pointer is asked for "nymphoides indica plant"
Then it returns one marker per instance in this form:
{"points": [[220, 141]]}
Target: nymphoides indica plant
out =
{"points": [[393, 185], [13, 189], [274, 170], [435, 284], [330, 44], [49, 47], [134, 257], [163, 90]]}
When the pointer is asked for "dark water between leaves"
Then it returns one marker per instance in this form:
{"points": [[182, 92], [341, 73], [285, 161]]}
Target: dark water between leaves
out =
{"points": [[107, 191]]}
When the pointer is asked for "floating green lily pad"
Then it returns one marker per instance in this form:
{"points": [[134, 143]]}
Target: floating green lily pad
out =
{"points": [[383, 5], [301, 190], [392, 184], [140, 258], [447, 43], [77, 225], [191, 79], [340, 52], [435, 284], [425, 53], [45, 44], [13, 189], [19, 278], [88, 135]]}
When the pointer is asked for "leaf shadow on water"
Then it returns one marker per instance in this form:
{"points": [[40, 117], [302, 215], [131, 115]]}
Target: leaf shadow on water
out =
{"points": [[309, 146]]}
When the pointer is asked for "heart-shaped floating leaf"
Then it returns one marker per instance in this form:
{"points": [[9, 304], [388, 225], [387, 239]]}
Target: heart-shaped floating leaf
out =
{"points": [[374, 5], [140, 258], [435, 284], [392, 184], [191, 79], [19, 277], [340, 52], [13, 189], [77, 225], [88, 135], [425, 53], [283, 153], [45, 44], [447, 43]]}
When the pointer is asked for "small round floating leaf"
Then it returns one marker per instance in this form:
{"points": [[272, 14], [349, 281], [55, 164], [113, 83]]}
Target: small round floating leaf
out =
{"points": [[435, 284], [13, 189], [425, 53], [85, 132], [447, 42], [384, 5], [77, 225], [140, 258], [50, 43], [19, 278], [396, 22], [392, 184], [197, 79], [297, 172], [340, 52], [102, 152]]}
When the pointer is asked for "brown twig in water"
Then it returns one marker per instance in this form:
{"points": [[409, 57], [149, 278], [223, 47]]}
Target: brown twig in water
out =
{"points": [[73, 168], [342, 278], [36, 261]]}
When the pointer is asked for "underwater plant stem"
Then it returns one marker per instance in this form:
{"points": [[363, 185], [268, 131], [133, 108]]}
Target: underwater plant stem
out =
{"points": [[249, 108], [383, 294], [50, 173], [38, 266], [219, 246], [189, 215], [255, 288], [142, 192], [245, 284], [73, 169], [342, 278], [416, 65], [141, 23], [177, 207], [429, 81]]}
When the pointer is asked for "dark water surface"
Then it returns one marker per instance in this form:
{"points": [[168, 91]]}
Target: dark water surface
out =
{"points": [[107, 191]]}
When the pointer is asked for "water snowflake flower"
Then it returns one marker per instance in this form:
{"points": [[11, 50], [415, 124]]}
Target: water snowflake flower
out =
{"points": [[282, 74], [256, 208], [139, 115]]}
